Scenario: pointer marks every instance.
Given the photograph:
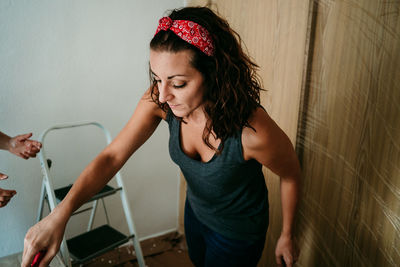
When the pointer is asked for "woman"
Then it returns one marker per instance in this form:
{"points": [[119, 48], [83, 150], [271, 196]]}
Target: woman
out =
{"points": [[207, 90]]}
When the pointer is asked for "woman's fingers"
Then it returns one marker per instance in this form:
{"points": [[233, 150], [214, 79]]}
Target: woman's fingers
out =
{"points": [[31, 247], [279, 260], [288, 260], [286, 252], [29, 252], [48, 257]]}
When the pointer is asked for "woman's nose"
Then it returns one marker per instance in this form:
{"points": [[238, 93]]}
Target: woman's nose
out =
{"points": [[164, 94]]}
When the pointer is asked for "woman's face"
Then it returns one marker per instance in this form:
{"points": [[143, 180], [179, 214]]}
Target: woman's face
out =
{"points": [[180, 85]]}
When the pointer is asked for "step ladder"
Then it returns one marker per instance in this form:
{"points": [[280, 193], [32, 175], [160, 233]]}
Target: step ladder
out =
{"points": [[94, 242]]}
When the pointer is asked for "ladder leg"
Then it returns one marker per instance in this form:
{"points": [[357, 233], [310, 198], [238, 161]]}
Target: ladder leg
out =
{"points": [[51, 198], [138, 251], [41, 202], [129, 220], [105, 211], [47, 201], [65, 254], [92, 215], [48, 195]]}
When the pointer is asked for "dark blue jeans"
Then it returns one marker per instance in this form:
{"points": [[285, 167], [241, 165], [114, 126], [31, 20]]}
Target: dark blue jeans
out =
{"points": [[208, 248]]}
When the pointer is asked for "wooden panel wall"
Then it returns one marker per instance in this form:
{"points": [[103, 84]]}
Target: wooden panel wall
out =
{"points": [[274, 33], [349, 137]]}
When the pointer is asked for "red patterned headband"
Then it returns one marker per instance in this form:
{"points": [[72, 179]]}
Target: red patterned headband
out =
{"points": [[190, 32]]}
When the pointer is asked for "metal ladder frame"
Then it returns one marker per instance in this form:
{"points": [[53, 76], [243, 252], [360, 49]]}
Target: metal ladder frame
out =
{"points": [[48, 190]]}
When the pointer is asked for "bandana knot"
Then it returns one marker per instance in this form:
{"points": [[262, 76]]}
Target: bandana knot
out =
{"points": [[165, 23], [189, 31]]}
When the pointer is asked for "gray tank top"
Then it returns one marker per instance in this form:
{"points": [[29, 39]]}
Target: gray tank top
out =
{"points": [[227, 193]]}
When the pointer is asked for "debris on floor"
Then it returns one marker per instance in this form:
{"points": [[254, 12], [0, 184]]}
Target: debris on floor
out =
{"points": [[168, 250]]}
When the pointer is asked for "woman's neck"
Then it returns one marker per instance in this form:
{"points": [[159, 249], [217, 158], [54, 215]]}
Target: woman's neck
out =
{"points": [[198, 116]]}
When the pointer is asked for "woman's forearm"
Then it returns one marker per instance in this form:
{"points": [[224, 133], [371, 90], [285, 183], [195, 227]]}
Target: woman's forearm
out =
{"points": [[97, 174], [93, 178], [289, 198]]}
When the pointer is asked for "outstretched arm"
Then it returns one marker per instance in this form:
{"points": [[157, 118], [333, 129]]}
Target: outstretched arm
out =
{"points": [[48, 233], [270, 146], [20, 145]]}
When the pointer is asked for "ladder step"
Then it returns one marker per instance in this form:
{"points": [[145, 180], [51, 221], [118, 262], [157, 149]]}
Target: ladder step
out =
{"points": [[95, 242], [60, 193]]}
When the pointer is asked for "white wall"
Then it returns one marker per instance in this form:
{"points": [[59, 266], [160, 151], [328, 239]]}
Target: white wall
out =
{"points": [[65, 61]]}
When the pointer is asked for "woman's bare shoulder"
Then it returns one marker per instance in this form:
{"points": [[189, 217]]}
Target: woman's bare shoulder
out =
{"points": [[146, 102], [263, 137], [269, 145], [261, 127]]}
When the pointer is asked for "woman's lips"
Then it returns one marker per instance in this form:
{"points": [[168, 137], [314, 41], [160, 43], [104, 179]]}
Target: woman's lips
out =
{"points": [[173, 106]]}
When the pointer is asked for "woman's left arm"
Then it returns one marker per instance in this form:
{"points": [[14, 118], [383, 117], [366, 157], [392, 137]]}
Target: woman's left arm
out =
{"points": [[270, 146]]}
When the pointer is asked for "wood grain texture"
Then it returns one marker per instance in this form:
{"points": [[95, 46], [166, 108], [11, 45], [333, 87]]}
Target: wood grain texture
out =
{"points": [[181, 208], [349, 137]]}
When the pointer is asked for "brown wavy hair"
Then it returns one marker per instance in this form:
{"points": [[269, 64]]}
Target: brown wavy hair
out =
{"points": [[232, 85]]}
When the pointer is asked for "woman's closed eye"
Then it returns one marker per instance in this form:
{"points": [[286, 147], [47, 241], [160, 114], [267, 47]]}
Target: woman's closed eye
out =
{"points": [[179, 85], [173, 84]]}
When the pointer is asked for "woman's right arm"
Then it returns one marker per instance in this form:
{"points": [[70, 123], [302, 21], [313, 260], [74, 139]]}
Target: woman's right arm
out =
{"points": [[48, 233]]}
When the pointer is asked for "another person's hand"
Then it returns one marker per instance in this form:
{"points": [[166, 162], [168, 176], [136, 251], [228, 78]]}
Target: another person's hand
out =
{"points": [[5, 196], [286, 253], [23, 147], [46, 235], [3, 176]]}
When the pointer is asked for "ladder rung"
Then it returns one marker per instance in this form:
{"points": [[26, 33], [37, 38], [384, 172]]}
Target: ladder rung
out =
{"points": [[81, 211], [95, 242], [60, 193]]}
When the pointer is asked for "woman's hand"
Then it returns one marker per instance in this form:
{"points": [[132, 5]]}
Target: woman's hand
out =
{"points": [[286, 254], [46, 235]]}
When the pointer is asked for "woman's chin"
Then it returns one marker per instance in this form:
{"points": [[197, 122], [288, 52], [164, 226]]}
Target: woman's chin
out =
{"points": [[178, 113]]}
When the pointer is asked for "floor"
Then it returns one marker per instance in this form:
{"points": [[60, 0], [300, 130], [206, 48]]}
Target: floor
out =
{"points": [[165, 251]]}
